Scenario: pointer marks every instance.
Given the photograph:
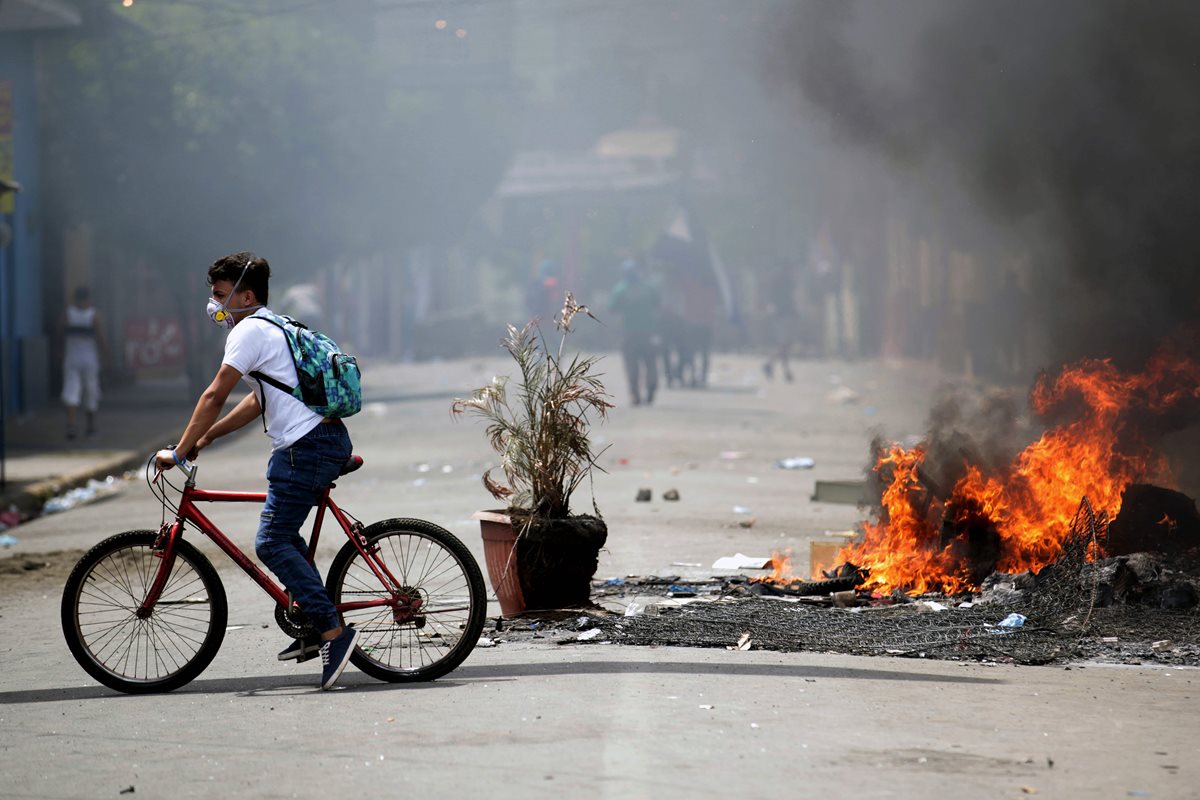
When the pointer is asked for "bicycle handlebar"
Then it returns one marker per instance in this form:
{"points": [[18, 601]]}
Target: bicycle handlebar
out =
{"points": [[188, 468]]}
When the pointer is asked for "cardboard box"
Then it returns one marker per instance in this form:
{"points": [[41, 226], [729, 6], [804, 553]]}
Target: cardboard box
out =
{"points": [[822, 554]]}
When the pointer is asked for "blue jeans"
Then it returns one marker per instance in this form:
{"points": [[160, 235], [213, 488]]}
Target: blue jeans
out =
{"points": [[296, 479]]}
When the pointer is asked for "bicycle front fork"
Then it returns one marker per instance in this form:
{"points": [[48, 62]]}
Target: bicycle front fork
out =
{"points": [[164, 549]]}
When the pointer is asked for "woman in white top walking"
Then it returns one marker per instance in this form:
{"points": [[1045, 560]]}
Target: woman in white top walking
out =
{"points": [[83, 345]]}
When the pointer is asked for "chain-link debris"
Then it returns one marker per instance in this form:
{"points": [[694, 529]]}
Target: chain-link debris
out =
{"points": [[1129, 609]]}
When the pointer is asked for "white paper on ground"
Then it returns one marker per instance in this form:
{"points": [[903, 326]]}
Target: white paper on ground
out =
{"points": [[740, 561]]}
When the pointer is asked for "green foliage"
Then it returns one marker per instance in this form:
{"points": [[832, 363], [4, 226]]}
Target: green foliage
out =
{"points": [[542, 433]]}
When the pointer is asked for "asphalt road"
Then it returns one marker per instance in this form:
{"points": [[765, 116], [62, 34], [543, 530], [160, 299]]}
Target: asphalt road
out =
{"points": [[544, 719]]}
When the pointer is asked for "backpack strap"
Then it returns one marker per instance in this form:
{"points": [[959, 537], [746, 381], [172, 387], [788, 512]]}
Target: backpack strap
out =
{"points": [[264, 378], [278, 384]]}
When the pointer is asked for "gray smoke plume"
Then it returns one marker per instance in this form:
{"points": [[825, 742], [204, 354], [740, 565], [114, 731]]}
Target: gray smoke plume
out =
{"points": [[1074, 123]]}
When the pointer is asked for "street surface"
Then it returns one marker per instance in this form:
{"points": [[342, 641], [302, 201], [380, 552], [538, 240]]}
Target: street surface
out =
{"points": [[543, 719]]}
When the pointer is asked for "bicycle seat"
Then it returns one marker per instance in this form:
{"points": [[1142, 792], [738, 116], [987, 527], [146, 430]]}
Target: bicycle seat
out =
{"points": [[352, 463]]}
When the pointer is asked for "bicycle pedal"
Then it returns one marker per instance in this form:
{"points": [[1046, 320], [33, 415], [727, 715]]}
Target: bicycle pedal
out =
{"points": [[308, 656]]}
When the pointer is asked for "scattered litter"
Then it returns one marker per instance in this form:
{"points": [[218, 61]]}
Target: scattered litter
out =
{"points": [[419, 482], [751, 479], [681, 590], [846, 599], [485, 642], [1110, 640], [589, 634], [1013, 620], [376, 409], [741, 561], [796, 462], [10, 518], [127, 790], [848, 492], [741, 510], [7, 540], [671, 494], [707, 707], [848, 534], [747, 523], [423, 467], [965, 604], [744, 641], [732, 455], [1028, 790], [644, 496], [447, 469], [933, 605], [844, 395], [93, 491], [1162, 645], [615, 582], [686, 564], [633, 609]]}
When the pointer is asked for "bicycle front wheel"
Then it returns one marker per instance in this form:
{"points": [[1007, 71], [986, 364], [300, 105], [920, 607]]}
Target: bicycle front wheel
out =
{"points": [[405, 640], [140, 654]]}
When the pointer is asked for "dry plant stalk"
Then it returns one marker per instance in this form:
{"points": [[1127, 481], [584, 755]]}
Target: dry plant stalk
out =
{"points": [[542, 432]]}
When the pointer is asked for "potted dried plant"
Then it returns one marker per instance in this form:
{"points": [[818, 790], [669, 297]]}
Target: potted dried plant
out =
{"points": [[539, 554]]}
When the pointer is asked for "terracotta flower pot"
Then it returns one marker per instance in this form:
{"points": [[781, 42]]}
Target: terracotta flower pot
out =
{"points": [[499, 550]]}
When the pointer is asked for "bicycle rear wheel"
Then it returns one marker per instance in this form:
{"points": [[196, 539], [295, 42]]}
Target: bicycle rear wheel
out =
{"points": [[406, 641], [161, 652]]}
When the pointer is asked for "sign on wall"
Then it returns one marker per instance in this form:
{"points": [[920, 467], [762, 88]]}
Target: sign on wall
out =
{"points": [[7, 201], [154, 346]]}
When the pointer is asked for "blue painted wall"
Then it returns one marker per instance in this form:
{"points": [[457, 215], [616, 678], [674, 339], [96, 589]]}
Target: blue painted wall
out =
{"points": [[20, 262]]}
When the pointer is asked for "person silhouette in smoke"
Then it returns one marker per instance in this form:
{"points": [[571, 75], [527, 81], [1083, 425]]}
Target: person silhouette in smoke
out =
{"points": [[84, 347], [635, 299]]}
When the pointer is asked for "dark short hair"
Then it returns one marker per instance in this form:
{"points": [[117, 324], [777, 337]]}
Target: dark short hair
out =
{"points": [[230, 267], [82, 293]]}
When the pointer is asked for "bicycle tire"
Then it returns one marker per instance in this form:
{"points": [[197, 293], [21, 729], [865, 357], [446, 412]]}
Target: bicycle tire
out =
{"points": [[140, 656], [430, 559]]}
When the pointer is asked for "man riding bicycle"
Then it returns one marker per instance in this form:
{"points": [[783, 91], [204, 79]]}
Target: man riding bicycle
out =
{"points": [[307, 451]]}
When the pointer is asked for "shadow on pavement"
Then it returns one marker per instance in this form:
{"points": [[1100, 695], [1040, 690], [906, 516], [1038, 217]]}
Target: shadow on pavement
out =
{"points": [[306, 684], [692, 668]]}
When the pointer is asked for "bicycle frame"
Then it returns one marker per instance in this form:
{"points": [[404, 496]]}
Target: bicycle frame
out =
{"points": [[188, 512]]}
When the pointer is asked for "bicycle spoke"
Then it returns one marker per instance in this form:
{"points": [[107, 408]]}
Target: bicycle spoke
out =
{"points": [[130, 647], [423, 564]]}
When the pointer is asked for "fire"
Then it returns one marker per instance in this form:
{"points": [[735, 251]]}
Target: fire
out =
{"points": [[1018, 519], [781, 568]]}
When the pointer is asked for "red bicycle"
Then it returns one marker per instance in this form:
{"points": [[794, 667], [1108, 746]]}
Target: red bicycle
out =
{"points": [[145, 611]]}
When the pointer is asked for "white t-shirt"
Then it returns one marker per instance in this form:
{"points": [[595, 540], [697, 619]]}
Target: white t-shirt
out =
{"points": [[81, 349], [259, 346]]}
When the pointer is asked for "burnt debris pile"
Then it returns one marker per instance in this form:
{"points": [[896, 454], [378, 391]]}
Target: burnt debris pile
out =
{"points": [[1091, 603]]}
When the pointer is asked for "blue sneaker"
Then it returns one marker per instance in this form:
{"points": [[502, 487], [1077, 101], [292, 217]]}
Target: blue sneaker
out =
{"points": [[335, 655]]}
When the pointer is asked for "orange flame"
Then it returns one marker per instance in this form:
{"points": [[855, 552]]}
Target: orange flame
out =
{"points": [[781, 568], [1030, 506]]}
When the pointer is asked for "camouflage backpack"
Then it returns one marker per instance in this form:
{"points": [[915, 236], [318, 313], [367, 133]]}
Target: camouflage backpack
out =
{"points": [[329, 381]]}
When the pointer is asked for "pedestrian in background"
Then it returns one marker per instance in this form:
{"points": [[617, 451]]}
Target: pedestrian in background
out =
{"points": [[783, 320], [635, 299], [84, 346]]}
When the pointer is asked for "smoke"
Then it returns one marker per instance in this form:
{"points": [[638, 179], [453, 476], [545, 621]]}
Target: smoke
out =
{"points": [[984, 430], [1073, 125]]}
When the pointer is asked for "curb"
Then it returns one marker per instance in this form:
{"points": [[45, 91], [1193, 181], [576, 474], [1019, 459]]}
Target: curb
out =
{"points": [[29, 501]]}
